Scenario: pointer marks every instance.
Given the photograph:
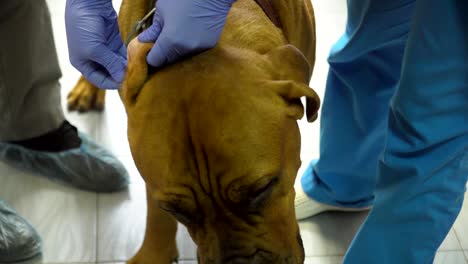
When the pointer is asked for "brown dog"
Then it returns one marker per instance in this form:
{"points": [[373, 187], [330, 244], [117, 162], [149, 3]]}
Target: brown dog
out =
{"points": [[215, 136]]}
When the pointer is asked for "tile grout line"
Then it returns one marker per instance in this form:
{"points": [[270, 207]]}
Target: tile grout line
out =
{"points": [[461, 246], [96, 250], [325, 256], [449, 250], [459, 242]]}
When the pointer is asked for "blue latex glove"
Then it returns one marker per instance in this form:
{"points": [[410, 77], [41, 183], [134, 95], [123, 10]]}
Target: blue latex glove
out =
{"points": [[95, 46], [184, 27]]}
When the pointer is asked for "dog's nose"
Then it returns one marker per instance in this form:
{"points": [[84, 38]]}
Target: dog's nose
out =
{"points": [[260, 257]]}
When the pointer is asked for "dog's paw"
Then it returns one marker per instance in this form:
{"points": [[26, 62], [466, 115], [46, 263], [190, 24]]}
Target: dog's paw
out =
{"points": [[141, 259], [86, 97]]}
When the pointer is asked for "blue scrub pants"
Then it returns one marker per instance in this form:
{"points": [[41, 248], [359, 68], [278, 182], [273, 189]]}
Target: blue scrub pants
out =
{"points": [[394, 130]]}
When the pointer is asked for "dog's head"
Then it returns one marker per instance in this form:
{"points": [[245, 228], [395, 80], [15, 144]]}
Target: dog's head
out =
{"points": [[216, 140]]}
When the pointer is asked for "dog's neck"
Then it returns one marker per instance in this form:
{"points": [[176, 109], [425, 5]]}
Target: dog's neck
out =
{"points": [[270, 11], [298, 24]]}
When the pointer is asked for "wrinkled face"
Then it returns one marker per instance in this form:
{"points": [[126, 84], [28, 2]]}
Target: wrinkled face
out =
{"points": [[220, 152], [240, 207]]}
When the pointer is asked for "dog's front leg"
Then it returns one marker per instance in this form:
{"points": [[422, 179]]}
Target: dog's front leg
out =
{"points": [[159, 245]]}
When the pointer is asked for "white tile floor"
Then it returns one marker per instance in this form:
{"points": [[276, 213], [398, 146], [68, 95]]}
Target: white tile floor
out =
{"points": [[83, 227]]}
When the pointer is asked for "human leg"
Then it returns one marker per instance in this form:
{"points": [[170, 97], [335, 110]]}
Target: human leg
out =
{"points": [[33, 132], [365, 67], [424, 168]]}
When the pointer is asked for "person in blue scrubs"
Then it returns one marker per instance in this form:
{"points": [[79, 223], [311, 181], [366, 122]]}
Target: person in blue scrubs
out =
{"points": [[394, 129]]}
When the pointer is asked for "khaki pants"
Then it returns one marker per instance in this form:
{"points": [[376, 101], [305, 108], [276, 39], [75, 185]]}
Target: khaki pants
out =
{"points": [[29, 71]]}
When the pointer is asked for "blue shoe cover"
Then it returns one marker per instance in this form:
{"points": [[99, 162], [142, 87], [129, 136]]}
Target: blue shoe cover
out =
{"points": [[18, 239], [90, 167]]}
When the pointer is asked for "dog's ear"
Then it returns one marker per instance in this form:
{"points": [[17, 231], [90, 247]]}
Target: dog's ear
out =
{"points": [[137, 71], [291, 92], [292, 73]]}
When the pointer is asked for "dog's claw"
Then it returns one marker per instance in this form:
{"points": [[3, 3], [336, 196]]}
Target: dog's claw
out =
{"points": [[86, 97]]}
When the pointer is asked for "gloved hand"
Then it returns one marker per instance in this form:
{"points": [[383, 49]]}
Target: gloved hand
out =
{"points": [[94, 43], [184, 27]]}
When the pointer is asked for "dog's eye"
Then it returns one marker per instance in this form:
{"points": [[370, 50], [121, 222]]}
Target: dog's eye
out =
{"points": [[253, 196], [176, 209], [261, 192]]}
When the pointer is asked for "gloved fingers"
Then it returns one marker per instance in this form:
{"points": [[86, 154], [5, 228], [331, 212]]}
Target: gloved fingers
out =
{"points": [[122, 51], [184, 27], [98, 76], [152, 33], [157, 56], [116, 44], [113, 62], [115, 41]]}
